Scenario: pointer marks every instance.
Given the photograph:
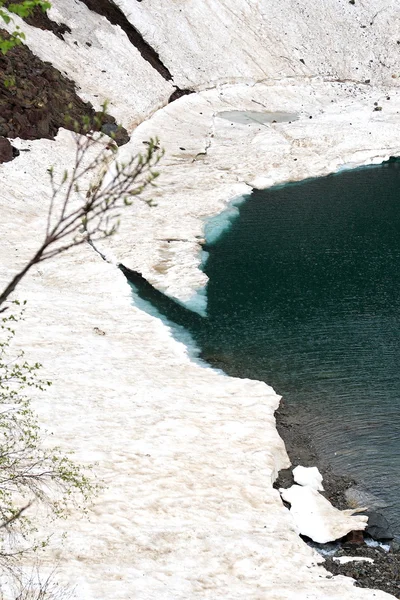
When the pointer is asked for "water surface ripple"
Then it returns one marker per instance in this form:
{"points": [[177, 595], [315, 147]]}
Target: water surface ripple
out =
{"points": [[304, 293]]}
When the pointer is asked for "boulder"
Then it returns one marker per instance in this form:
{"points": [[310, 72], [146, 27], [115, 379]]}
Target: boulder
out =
{"points": [[6, 150], [354, 538], [116, 132], [378, 527]]}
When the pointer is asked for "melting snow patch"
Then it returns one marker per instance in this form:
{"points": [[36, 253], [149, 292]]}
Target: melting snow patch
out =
{"points": [[346, 559], [375, 544], [219, 224], [308, 476], [315, 517], [197, 302]]}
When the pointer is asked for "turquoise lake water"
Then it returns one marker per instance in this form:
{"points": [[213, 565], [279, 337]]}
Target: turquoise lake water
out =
{"points": [[304, 293]]}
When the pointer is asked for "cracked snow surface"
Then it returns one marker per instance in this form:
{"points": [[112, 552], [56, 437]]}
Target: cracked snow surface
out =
{"points": [[186, 455]]}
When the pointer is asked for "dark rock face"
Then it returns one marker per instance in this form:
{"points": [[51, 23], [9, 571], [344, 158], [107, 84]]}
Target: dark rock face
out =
{"points": [[178, 93], [41, 20], [353, 538], [110, 10], [6, 150], [116, 132], [378, 527], [36, 99]]}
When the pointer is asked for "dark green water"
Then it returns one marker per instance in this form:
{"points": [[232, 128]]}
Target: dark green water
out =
{"points": [[304, 293]]}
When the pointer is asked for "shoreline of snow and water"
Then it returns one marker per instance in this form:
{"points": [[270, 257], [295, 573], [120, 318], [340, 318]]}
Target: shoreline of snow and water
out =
{"points": [[174, 442], [209, 161], [186, 456]]}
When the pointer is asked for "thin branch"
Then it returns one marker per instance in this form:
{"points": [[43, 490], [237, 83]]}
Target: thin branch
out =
{"points": [[98, 212], [15, 516]]}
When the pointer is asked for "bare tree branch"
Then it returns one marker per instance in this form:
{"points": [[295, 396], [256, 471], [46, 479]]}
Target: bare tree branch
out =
{"points": [[96, 216], [16, 516]]}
